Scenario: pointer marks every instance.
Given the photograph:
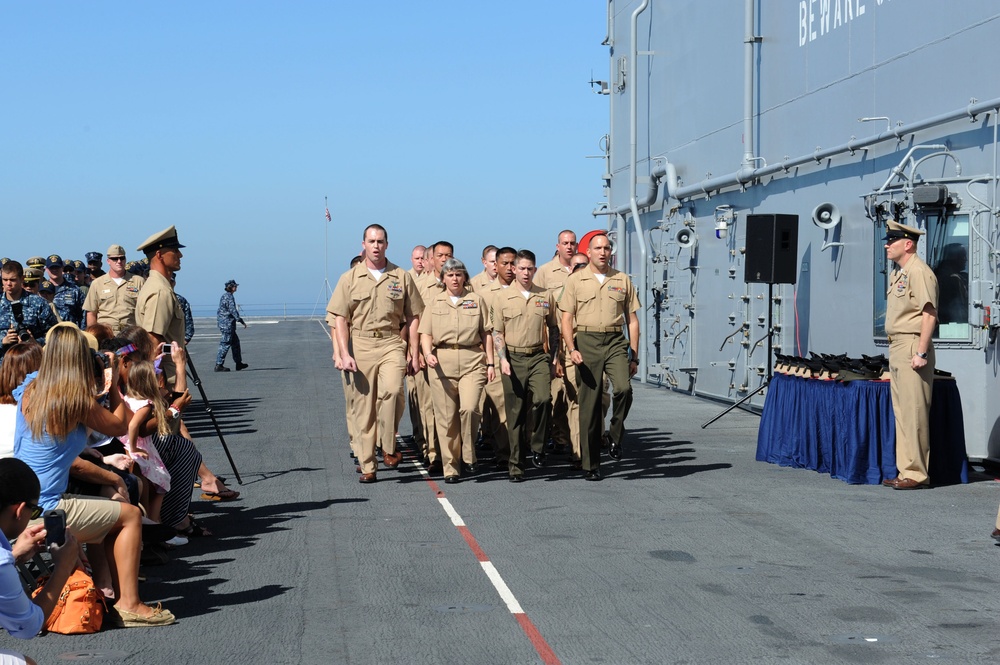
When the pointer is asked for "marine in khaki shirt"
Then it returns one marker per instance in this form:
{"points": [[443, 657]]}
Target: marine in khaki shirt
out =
{"points": [[600, 301], [521, 314], [372, 303]]}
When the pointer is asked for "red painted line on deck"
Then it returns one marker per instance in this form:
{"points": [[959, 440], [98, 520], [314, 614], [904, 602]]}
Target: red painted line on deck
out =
{"points": [[545, 652]]}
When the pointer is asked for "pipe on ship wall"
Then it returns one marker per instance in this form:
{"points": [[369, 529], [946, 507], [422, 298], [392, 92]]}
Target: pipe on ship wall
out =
{"points": [[633, 160], [749, 40], [748, 174]]}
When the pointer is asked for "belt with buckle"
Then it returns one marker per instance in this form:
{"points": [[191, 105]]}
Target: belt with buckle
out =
{"points": [[894, 335], [456, 347], [376, 334], [526, 350], [599, 329]]}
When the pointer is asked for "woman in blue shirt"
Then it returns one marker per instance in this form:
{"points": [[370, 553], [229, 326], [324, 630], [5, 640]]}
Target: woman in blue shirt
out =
{"points": [[57, 406]]}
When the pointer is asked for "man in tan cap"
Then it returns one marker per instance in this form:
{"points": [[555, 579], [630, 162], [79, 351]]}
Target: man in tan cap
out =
{"points": [[910, 319], [372, 303], [112, 296], [156, 308]]}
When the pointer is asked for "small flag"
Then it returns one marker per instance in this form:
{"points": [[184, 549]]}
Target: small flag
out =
{"points": [[328, 218]]}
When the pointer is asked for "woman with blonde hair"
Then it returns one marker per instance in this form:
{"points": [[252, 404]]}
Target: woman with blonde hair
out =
{"points": [[57, 406]]}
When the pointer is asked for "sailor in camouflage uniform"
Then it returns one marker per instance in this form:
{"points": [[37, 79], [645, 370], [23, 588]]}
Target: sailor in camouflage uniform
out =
{"points": [[68, 298], [36, 318], [227, 317]]}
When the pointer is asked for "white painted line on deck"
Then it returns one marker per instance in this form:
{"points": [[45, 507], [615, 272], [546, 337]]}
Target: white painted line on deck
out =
{"points": [[506, 595], [456, 519]]}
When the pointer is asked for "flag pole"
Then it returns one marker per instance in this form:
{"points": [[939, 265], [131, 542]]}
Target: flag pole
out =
{"points": [[326, 249]]}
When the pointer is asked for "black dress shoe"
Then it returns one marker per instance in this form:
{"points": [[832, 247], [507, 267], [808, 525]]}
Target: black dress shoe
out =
{"points": [[221, 368], [538, 460], [451, 480], [240, 366], [516, 479], [594, 474], [501, 463], [615, 450], [469, 469]]}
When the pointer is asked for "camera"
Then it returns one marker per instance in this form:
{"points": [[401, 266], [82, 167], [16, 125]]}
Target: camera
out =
{"points": [[17, 309], [55, 526]]}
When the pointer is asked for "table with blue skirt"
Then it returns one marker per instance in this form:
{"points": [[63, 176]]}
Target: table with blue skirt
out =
{"points": [[848, 429]]}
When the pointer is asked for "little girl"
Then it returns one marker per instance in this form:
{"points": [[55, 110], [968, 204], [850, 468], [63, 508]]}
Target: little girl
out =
{"points": [[143, 398]]}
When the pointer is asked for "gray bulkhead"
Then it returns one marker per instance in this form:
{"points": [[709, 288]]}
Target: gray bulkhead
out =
{"points": [[877, 108]]}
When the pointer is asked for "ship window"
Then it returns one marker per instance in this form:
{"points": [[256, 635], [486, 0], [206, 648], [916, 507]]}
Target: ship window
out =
{"points": [[946, 251]]}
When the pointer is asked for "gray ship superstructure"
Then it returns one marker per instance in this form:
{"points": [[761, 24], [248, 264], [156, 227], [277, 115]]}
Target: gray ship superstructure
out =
{"points": [[845, 113]]}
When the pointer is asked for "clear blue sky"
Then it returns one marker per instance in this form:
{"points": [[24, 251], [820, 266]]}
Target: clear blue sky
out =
{"points": [[463, 121]]}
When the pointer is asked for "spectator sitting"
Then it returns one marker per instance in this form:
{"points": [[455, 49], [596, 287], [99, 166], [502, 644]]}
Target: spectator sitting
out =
{"points": [[21, 616], [22, 359], [57, 406]]}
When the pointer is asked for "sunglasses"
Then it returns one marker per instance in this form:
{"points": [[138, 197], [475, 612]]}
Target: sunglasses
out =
{"points": [[36, 511], [116, 259]]}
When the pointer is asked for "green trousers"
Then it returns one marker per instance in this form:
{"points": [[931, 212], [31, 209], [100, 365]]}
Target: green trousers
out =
{"points": [[603, 354], [526, 399]]}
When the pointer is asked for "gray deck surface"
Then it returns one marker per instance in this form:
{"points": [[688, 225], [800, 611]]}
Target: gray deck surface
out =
{"points": [[688, 552]]}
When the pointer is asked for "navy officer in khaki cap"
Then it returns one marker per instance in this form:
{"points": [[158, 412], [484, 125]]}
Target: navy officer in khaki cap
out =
{"points": [[112, 296], [156, 307], [910, 319]]}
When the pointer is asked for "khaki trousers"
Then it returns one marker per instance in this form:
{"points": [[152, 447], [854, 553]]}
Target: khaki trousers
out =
{"points": [[456, 407], [378, 386], [911, 405], [604, 354], [348, 385], [526, 397], [413, 404], [431, 448]]}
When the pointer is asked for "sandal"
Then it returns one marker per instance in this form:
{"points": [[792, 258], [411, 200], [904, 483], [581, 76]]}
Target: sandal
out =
{"points": [[221, 479], [194, 530], [225, 495]]}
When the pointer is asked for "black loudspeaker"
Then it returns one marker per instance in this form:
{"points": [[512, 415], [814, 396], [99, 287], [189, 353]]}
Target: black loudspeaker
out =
{"points": [[772, 249]]}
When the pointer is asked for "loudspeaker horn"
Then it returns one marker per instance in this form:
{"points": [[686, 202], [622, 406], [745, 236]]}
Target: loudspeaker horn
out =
{"points": [[826, 216], [686, 238]]}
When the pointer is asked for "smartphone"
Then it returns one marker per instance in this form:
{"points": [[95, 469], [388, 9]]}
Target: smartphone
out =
{"points": [[55, 527]]}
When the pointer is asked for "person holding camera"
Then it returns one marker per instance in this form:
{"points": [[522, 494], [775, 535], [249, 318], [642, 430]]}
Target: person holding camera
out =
{"points": [[20, 615], [23, 315], [57, 407]]}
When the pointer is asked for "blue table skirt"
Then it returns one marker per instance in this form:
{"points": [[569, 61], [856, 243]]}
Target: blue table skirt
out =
{"points": [[847, 430]]}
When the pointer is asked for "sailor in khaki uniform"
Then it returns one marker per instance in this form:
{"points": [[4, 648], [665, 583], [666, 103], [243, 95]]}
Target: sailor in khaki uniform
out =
{"points": [[345, 377], [910, 319], [376, 308], [413, 382], [489, 273], [156, 308], [455, 339], [602, 300], [493, 397], [112, 296], [430, 286], [552, 276], [521, 316]]}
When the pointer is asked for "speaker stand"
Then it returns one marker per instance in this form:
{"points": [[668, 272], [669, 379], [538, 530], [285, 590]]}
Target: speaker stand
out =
{"points": [[770, 351]]}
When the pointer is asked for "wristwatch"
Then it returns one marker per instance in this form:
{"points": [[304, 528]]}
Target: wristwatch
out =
{"points": [[922, 355]]}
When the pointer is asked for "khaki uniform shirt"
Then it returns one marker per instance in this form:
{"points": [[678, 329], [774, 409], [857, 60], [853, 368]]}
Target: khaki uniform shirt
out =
{"points": [[114, 304], [370, 305], [461, 323], [910, 289], [157, 310], [480, 282], [415, 275], [491, 295], [523, 321], [599, 305], [551, 275]]}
